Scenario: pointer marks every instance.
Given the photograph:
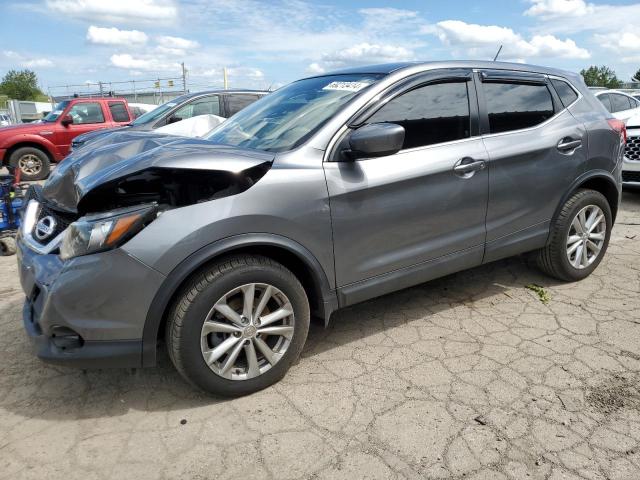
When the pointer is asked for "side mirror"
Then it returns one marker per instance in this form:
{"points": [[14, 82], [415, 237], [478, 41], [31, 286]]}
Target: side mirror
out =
{"points": [[66, 120], [376, 140]]}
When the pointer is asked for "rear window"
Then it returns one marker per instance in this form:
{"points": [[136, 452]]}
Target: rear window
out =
{"points": [[567, 94], [514, 106], [119, 112]]}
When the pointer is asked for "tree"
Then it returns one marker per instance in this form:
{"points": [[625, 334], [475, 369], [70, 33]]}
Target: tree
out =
{"points": [[21, 85], [600, 77], [636, 76]]}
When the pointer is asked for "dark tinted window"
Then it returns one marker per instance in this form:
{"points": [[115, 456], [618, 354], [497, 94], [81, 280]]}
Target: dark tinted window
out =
{"points": [[567, 94], [604, 99], [118, 112], [430, 114], [619, 102], [237, 102], [512, 106]]}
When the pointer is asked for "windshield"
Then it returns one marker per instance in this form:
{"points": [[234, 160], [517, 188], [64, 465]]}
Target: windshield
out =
{"points": [[53, 115], [159, 112], [287, 117]]}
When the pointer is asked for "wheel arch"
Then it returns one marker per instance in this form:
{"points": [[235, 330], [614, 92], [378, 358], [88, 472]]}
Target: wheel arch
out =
{"points": [[29, 143], [600, 181], [298, 259]]}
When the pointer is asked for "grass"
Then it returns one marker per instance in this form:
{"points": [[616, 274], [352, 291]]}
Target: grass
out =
{"points": [[543, 295]]}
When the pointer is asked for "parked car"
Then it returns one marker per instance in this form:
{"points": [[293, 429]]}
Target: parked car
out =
{"points": [[139, 109], [32, 148], [631, 165], [330, 191], [620, 104], [5, 120], [222, 103]]}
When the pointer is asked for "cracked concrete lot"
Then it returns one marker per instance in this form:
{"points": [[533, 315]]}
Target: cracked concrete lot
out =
{"points": [[470, 376]]}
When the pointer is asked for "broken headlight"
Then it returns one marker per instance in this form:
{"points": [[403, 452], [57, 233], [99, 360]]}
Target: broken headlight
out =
{"points": [[104, 231]]}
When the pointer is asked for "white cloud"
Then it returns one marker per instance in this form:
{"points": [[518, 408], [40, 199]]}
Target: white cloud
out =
{"points": [[177, 43], [620, 42], [361, 54], [117, 11], [38, 63], [558, 8], [484, 40], [145, 63], [114, 36], [601, 18]]}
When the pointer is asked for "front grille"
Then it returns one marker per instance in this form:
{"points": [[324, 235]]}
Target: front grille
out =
{"points": [[632, 150], [631, 177], [63, 220]]}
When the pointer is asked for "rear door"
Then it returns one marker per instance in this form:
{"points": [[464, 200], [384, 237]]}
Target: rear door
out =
{"points": [[398, 219], [536, 150], [622, 107], [119, 113]]}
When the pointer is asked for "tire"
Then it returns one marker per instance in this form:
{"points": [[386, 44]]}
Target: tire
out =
{"points": [[32, 162], [7, 246], [554, 259], [188, 343]]}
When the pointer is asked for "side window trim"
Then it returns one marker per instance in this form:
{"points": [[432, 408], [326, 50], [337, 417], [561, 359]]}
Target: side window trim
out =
{"points": [[484, 76]]}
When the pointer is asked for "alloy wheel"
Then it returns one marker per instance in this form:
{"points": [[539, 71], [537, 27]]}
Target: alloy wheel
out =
{"points": [[247, 331], [30, 164], [587, 235]]}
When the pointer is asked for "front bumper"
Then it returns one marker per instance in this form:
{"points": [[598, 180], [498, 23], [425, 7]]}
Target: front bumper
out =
{"points": [[631, 166], [88, 312]]}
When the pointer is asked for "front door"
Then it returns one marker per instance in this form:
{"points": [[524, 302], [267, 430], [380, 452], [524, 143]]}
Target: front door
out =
{"points": [[405, 218], [87, 116]]}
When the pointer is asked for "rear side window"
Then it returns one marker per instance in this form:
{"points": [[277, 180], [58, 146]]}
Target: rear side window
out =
{"points": [[430, 114], [513, 106], [237, 102], [604, 100], [619, 102], [567, 94], [119, 112]]}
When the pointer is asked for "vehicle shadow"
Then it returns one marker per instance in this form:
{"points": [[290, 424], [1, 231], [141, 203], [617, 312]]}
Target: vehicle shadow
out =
{"points": [[64, 394]]}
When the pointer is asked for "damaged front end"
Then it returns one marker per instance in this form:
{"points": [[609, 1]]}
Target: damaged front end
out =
{"points": [[98, 199]]}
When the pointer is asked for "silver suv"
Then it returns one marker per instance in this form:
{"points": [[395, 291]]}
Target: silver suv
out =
{"points": [[328, 192]]}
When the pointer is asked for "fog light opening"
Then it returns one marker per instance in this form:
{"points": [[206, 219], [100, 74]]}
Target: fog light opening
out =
{"points": [[65, 338]]}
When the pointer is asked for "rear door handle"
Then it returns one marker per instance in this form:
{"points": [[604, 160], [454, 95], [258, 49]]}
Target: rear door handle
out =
{"points": [[468, 166], [567, 144]]}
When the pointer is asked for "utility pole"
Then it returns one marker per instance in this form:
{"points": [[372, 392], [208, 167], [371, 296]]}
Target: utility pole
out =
{"points": [[224, 73], [100, 86], [184, 78]]}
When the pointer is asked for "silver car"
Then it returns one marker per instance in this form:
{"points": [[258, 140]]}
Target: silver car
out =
{"points": [[330, 191]]}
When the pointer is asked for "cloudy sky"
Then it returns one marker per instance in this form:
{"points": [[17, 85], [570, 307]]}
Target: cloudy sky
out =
{"points": [[272, 42]]}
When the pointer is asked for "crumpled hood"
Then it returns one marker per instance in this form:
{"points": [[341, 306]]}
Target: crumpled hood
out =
{"points": [[95, 134], [124, 153]]}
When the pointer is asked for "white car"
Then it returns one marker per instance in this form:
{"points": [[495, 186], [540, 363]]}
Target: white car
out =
{"points": [[621, 105], [631, 165], [141, 108], [5, 120]]}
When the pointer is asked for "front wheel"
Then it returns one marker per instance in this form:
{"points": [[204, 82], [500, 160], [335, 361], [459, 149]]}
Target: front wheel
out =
{"points": [[238, 326], [32, 162], [579, 237]]}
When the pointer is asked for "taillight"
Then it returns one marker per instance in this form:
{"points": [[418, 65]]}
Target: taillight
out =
{"points": [[620, 127]]}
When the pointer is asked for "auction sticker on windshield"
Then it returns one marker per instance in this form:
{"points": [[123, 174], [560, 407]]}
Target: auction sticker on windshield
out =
{"points": [[346, 86]]}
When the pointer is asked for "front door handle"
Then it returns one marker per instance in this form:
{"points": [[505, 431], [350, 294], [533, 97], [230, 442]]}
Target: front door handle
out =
{"points": [[567, 144], [468, 166]]}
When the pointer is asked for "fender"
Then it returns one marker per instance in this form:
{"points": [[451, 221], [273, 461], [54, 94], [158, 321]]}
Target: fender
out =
{"points": [[585, 177], [46, 144], [327, 303]]}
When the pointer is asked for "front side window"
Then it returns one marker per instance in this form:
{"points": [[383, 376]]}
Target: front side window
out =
{"points": [[86, 112], [619, 102], [567, 94], [286, 118], [514, 106], [202, 106], [118, 112], [430, 114]]}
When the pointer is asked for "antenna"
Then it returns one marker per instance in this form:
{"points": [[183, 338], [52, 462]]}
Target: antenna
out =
{"points": [[499, 50]]}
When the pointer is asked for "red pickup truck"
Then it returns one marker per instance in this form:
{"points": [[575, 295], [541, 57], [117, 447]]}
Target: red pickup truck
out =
{"points": [[32, 147]]}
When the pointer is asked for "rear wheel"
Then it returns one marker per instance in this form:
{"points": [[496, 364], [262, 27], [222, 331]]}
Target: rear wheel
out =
{"points": [[579, 237], [238, 326], [32, 162]]}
